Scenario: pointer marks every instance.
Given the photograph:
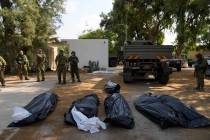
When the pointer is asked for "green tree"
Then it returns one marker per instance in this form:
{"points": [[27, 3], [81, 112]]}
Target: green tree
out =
{"points": [[27, 24], [147, 20], [142, 20], [191, 18], [204, 39], [7, 30], [49, 20]]}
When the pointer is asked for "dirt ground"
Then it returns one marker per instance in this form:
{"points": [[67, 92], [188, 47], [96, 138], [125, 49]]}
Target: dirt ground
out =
{"points": [[181, 86]]}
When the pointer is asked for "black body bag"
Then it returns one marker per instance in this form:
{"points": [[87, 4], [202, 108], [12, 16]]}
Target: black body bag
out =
{"points": [[39, 107], [87, 105], [118, 111], [169, 111]]}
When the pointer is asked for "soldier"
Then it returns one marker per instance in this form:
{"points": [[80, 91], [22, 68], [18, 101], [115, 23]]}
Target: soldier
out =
{"points": [[61, 63], [22, 65], [200, 69], [40, 60], [73, 59], [2, 69]]}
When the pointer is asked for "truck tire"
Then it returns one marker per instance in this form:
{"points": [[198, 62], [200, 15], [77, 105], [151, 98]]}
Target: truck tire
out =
{"points": [[179, 68], [127, 77], [163, 75], [163, 79]]}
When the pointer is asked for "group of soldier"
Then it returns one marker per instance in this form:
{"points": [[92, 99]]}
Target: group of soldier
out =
{"points": [[62, 63], [62, 66]]}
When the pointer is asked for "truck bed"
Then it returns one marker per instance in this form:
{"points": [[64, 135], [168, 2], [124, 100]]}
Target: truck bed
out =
{"points": [[135, 51]]}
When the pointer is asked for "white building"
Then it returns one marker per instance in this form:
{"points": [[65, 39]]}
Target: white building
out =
{"points": [[51, 55], [90, 50]]}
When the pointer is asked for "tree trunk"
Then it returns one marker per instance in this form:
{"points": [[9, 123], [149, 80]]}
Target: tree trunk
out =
{"points": [[181, 29], [179, 52], [180, 46]]}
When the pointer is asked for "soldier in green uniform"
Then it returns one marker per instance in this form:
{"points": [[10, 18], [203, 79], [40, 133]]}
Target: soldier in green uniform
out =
{"points": [[2, 69], [61, 63], [73, 59], [40, 60], [200, 69], [22, 65]]}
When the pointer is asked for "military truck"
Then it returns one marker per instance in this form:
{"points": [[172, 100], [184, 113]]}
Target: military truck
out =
{"points": [[143, 58]]}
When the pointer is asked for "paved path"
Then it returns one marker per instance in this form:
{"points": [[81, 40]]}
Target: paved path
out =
{"points": [[19, 93]]}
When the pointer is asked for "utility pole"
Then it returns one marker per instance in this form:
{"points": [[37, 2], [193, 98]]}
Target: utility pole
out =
{"points": [[126, 30]]}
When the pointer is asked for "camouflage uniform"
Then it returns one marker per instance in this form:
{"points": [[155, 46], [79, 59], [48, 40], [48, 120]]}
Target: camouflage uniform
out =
{"points": [[2, 69], [200, 69], [73, 59], [61, 62], [40, 59], [22, 66]]}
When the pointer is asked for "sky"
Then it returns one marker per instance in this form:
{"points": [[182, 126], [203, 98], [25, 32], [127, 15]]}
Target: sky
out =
{"points": [[83, 15]]}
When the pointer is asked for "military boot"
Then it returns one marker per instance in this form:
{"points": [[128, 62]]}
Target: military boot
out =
{"points": [[3, 83]]}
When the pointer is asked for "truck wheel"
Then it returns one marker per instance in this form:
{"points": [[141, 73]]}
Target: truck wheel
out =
{"points": [[163, 79], [179, 68], [163, 75], [127, 77]]}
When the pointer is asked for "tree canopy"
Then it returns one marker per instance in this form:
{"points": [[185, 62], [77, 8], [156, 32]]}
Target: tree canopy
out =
{"points": [[27, 24], [148, 19]]}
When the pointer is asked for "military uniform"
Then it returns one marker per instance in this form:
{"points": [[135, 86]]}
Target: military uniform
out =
{"points": [[22, 66], [61, 62], [40, 59], [2, 69], [74, 67], [200, 69]]}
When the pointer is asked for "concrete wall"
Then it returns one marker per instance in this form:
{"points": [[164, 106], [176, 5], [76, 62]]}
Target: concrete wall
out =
{"points": [[90, 50]]}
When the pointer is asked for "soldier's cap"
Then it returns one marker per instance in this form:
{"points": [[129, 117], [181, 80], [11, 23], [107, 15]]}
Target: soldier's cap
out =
{"points": [[73, 52]]}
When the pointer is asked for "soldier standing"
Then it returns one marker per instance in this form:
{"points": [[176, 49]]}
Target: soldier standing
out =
{"points": [[2, 69], [40, 60], [73, 59], [22, 65], [61, 63], [200, 69]]}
